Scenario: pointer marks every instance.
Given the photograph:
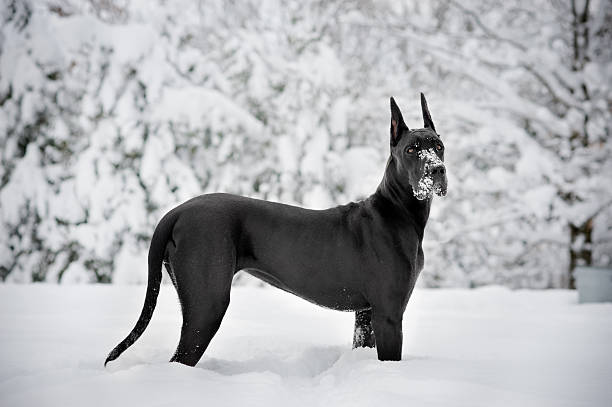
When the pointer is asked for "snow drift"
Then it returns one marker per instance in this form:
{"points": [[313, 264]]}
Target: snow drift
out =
{"points": [[483, 347]]}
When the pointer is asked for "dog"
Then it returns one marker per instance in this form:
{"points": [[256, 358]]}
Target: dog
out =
{"points": [[363, 257]]}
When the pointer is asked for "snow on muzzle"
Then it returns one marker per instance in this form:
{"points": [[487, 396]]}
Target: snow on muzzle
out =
{"points": [[433, 176]]}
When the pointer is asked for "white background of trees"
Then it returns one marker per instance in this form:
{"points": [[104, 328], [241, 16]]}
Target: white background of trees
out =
{"points": [[112, 112]]}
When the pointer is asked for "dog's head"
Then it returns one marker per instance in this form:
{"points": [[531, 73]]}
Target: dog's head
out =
{"points": [[418, 154]]}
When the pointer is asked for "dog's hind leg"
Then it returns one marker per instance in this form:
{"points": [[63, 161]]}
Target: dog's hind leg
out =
{"points": [[203, 283], [364, 334]]}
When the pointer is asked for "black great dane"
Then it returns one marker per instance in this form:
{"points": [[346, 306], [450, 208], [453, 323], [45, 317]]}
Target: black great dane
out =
{"points": [[363, 257]]}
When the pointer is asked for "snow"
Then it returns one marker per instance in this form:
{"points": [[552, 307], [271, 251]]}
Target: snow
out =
{"points": [[484, 347], [425, 186], [112, 112]]}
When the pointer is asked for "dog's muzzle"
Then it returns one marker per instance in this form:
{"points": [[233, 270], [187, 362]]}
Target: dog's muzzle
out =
{"points": [[440, 182], [433, 179]]}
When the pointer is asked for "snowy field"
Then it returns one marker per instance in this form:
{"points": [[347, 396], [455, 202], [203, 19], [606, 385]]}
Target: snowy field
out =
{"points": [[486, 347]]}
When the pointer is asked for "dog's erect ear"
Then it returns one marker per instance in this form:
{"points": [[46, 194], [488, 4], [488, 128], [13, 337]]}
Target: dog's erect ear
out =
{"points": [[426, 116], [397, 123]]}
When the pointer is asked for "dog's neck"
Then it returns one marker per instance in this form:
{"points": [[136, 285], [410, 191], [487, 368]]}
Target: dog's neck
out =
{"points": [[398, 198]]}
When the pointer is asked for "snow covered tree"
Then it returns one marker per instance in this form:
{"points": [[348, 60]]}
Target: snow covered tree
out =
{"points": [[546, 67], [112, 112]]}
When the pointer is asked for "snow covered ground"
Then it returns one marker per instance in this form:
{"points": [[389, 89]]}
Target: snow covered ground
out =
{"points": [[486, 347]]}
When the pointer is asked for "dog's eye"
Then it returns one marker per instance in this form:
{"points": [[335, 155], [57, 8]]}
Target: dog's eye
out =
{"points": [[438, 147], [410, 149]]}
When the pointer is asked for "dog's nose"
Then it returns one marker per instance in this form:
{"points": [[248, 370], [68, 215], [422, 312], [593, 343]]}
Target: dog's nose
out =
{"points": [[438, 170]]}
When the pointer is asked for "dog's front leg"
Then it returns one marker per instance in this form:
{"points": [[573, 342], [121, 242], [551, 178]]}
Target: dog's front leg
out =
{"points": [[364, 334], [388, 330]]}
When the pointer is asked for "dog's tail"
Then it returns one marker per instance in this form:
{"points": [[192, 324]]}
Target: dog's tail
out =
{"points": [[156, 256]]}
